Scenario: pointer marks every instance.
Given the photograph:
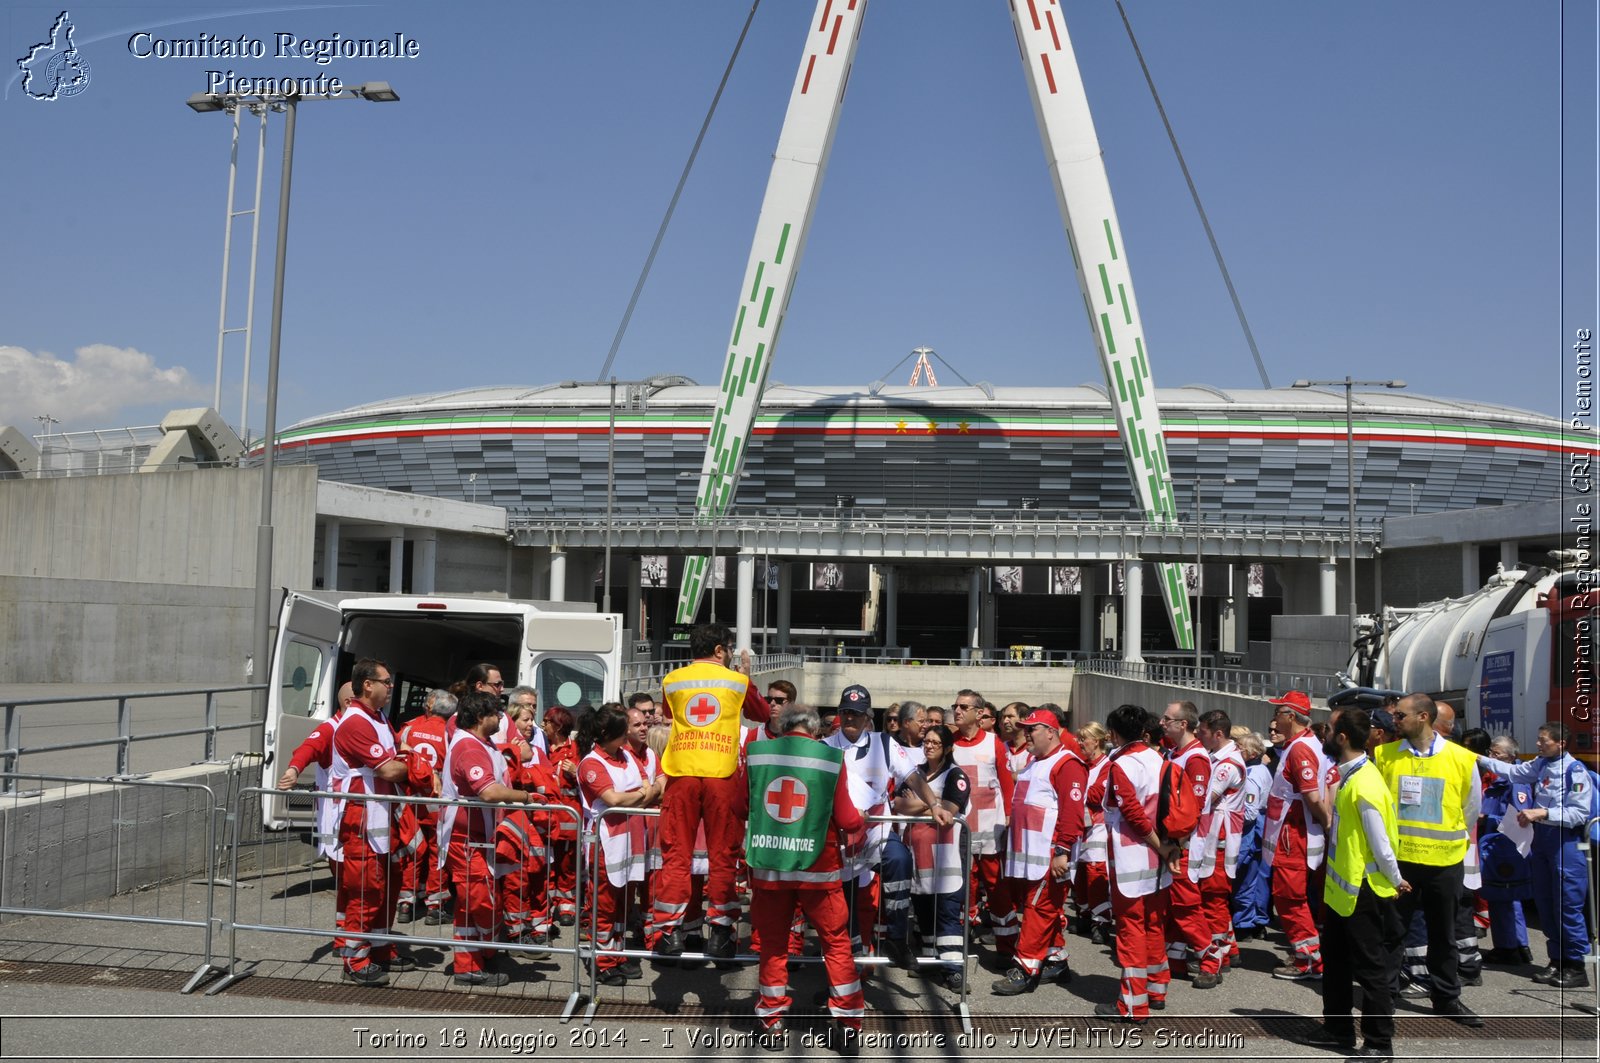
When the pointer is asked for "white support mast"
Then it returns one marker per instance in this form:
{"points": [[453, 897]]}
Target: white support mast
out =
{"points": [[1093, 235], [1083, 195], [796, 177]]}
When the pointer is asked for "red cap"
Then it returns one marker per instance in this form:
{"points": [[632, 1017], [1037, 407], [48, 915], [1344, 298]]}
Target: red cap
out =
{"points": [[1296, 700], [1040, 718]]}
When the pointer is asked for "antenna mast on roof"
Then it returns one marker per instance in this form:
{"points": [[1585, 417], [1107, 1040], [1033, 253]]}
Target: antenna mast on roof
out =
{"points": [[923, 368]]}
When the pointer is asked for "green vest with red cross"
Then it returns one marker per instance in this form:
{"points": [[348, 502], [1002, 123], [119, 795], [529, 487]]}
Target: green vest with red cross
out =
{"points": [[791, 802]]}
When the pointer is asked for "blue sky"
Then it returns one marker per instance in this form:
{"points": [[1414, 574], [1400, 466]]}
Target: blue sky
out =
{"points": [[1383, 179]]}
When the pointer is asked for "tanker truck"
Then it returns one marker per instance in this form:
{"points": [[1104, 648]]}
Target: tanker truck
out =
{"points": [[1516, 653]]}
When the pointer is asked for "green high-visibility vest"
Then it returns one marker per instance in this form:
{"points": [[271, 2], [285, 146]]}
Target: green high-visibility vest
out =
{"points": [[1351, 860], [791, 802]]}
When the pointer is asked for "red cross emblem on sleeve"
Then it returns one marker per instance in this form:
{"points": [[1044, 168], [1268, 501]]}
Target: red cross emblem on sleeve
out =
{"points": [[786, 799], [703, 710]]}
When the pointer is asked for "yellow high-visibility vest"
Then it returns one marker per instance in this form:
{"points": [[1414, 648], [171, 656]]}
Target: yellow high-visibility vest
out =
{"points": [[1352, 861], [1430, 799], [706, 700]]}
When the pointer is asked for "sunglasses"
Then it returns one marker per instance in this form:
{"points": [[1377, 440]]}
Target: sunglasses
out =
{"points": [[778, 699]]}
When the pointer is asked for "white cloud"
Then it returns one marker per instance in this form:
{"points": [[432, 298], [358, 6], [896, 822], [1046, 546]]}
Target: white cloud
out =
{"points": [[89, 390]]}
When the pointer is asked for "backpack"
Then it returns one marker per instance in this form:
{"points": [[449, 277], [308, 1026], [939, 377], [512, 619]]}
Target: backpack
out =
{"points": [[1177, 806]]}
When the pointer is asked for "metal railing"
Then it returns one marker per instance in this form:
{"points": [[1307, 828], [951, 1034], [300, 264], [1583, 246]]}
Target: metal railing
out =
{"points": [[105, 860], [283, 875], [874, 953], [1112, 522], [13, 752], [1220, 680], [648, 674]]}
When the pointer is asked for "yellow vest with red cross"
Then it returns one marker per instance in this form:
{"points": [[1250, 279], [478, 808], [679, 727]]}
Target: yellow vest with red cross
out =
{"points": [[706, 700]]}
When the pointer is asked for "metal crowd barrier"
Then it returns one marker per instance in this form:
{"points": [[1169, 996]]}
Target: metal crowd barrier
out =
{"points": [[873, 956], [59, 861], [285, 882]]}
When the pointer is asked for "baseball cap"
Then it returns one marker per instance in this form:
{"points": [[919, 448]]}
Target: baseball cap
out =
{"points": [[855, 699], [1383, 720], [1296, 701], [1040, 718]]}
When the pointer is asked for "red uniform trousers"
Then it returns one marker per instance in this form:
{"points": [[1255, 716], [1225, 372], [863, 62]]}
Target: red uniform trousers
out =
{"points": [[610, 909], [1141, 949], [1292, 890], [370, 884], [983, 888], [864, 901], [772, 907], [1040, 902], [422, 872], [688, 801], [1216, 899], [564, 877], [1092, 892], [476, 912], [1188, 931], [523, 891]]}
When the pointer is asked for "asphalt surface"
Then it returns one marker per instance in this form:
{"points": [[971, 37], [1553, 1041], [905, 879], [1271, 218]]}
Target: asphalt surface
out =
{"points": [[109, 989]]}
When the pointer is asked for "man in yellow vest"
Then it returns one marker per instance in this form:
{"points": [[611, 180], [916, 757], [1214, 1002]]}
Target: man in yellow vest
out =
{"points": [[706, 698], [1436, 790], [1361, 933]]}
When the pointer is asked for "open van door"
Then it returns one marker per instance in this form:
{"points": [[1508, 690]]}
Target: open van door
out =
{"points": [[299, 694]]}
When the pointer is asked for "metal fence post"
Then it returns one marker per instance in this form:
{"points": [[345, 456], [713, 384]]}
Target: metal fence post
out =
{"points": [[13, 744], [124, 733], [211, 726]]}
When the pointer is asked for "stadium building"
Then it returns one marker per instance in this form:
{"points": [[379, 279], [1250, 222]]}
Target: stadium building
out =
{"points": [[1042, 465]]}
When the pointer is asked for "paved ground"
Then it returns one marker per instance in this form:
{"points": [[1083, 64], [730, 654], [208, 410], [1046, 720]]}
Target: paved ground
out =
{"points": [[109, 989]]}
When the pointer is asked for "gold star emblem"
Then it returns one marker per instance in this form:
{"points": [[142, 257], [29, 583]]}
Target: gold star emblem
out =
{"points": [[933, 429], [900, 427], [965, 428]]}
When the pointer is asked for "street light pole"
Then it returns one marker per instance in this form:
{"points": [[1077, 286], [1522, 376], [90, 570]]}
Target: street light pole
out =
{"points": [[1199, 578], [1349, 384], [377, 91], [611, 491]]}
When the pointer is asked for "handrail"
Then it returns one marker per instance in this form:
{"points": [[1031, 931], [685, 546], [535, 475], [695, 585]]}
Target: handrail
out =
{"points": [[1240, 681], [12, 751]]}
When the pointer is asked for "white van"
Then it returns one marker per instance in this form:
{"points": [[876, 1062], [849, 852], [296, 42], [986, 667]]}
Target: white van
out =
{"points": [[567, 651]]}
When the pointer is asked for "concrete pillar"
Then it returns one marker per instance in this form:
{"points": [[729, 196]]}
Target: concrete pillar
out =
{"points": [[633, 618], [744, 606], [785, 599], [1086, 632], [1133, 610], [1241, 609], [1328, 588], [330, 554], [425, 563], [1470, 581], [397, 563], [558, 574], [1508, 555], [974, 601], [891, 606], [538, 578]]}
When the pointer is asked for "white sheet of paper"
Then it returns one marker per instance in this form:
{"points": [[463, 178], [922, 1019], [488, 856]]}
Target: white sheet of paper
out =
{"points": [[1521, 837]]}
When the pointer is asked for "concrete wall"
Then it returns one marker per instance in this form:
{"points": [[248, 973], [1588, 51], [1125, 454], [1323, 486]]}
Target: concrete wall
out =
{"points": [[475, 564], [1310, 644], [195, 528], [142, 578], [1094, 696], [105, 631]]}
